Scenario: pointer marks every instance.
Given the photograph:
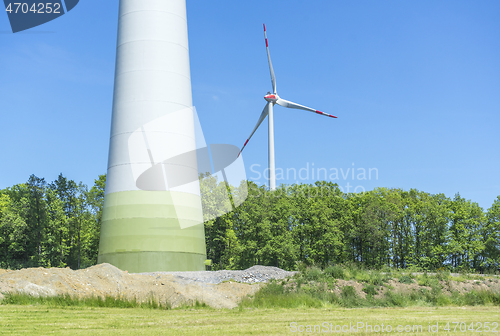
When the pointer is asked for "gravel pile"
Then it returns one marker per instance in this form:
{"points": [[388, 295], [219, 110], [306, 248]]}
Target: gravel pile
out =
{"points": [[254, 274]]}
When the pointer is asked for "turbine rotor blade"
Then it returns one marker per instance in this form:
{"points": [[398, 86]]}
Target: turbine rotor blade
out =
{"points": [[263, 116], [289, 104], [273, 78]]}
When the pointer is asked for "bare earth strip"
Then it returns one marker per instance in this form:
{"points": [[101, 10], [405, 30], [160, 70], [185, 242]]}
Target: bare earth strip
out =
{"points": [[219, 289]]}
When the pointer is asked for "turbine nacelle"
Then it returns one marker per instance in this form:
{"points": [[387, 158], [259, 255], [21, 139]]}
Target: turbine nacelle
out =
{"points": [[272, 98]]}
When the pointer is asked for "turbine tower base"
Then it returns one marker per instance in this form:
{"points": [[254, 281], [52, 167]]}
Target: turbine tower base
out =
{"points": [[155, 261]]}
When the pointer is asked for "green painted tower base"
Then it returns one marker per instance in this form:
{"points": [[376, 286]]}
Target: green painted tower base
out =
{"points": [[152, 231], [150, 261]]}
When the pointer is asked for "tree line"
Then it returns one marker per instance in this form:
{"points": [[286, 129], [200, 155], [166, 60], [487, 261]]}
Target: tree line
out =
{"points": [[50, 224], [57, 224], [318, 224]]}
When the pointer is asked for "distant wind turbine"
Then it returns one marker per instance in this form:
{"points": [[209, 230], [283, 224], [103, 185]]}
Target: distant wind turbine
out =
{"points": [[273, 98]]}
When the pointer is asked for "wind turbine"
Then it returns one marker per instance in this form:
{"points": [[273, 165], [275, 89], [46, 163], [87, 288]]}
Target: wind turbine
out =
{"points": [[273, 98]]}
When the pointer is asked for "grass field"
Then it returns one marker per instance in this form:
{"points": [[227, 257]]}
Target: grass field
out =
{"points": [[43, 320]]}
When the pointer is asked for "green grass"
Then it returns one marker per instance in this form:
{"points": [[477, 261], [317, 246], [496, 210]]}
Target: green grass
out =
{"points": [[42, 320], [69, 301], [314, 288], [370, 290], [428, 280], [277, 296], [309, 296], [406, 279]]}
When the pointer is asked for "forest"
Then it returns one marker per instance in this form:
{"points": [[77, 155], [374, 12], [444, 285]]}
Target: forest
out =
{"points": [[57, 224]]}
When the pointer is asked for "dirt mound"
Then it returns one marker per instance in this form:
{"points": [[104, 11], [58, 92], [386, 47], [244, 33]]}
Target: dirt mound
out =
{"points": [[106, 280], [218, 289]]}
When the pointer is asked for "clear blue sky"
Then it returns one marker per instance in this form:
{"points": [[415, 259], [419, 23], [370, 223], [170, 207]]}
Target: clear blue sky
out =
{"points": [[415, 86]]}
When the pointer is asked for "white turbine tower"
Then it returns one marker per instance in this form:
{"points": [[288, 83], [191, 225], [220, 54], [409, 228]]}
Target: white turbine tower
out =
{"points": [[273, 98], [152, 218]]}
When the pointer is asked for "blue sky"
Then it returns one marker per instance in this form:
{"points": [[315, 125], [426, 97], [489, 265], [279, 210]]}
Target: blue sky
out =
{"points": [[415, 86]]}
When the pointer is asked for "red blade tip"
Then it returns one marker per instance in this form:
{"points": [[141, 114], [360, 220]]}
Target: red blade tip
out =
{"points": [[326, 114]]}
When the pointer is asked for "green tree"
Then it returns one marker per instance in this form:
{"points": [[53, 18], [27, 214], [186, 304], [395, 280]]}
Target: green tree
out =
{"points": [[57, 231], [67, 191], [16, 224], [13, 234], [251, 226], [466, 243], [36, 220], [95, 204], [219, 235], [316, 213], [434, 217], [490, 233]]}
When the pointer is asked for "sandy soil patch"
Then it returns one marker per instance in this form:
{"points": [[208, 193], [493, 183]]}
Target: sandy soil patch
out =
{"points": [[107, 280]]}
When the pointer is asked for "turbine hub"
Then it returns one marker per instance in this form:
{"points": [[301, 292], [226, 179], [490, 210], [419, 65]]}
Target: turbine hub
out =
{"points": [[270, 97]]}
